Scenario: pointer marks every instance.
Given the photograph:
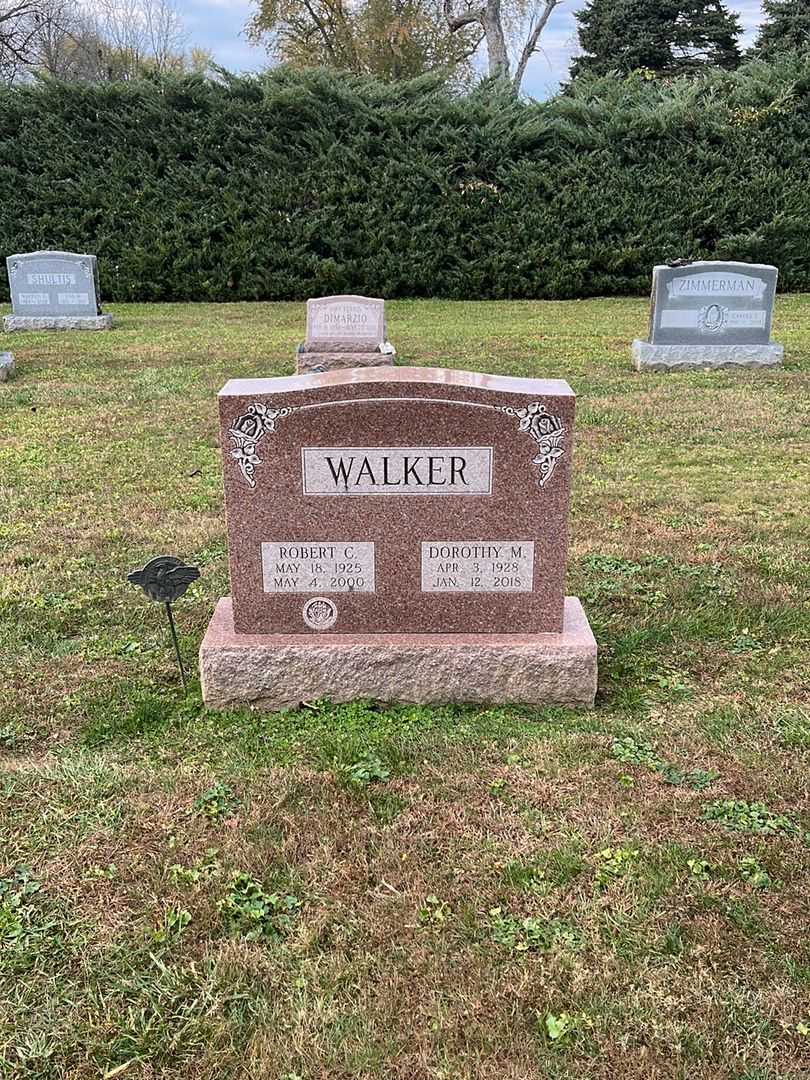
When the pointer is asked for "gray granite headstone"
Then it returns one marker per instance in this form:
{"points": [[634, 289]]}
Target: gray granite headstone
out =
{"points": [[717, 303], [53, 283], [710, 314], [54, 290], [344, 332], [356, 323]]}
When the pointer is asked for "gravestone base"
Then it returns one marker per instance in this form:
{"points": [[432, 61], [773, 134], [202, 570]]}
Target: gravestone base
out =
{"points": [[647, 357], [57, 322], [278, 671], [6, 365], [309, 362]]}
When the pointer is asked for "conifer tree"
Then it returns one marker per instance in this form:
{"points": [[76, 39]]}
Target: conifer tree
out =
{"points": [[786, 28], [670, 37]]}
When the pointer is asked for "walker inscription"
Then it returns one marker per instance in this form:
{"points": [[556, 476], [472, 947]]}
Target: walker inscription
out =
{"points": [[318, 567], [397, 470], [488, 566]]}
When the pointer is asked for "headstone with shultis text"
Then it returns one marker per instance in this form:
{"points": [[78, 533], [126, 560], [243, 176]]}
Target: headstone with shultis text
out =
{"points": [[710, 315], [344, 332], [54, 290], [397, 534]]}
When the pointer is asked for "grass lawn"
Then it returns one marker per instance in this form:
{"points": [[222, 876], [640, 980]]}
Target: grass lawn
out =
{"points": [[448, 893]]}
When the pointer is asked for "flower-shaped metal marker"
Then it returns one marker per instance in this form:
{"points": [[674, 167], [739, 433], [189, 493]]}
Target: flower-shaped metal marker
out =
{"points": [[164, 580]]}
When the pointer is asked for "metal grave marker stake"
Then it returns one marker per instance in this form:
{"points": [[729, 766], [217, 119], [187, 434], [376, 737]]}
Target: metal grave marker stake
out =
{"points": [[165, 579]]}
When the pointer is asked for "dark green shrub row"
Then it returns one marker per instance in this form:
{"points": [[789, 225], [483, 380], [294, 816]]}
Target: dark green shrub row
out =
{"points": [[292, 185]]}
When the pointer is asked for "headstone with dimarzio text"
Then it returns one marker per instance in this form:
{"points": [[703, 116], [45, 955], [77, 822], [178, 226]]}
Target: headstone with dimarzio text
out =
{"points": [[344, 331]]}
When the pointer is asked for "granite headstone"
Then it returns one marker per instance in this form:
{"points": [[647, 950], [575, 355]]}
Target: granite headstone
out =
{"points": [[54, 290], [710, 314], [399, 533], [344, 331]]}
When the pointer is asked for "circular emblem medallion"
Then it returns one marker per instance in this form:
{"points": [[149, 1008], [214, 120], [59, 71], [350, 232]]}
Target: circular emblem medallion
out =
{"points": [[713, 319], [320, 613]]}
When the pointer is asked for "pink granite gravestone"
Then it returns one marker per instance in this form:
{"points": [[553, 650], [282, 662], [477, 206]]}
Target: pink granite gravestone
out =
{"points": [[344, 332], [401, 534]]}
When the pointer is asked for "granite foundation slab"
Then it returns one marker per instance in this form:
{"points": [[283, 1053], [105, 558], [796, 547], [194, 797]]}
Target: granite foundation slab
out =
{"points": [[57, 322], [7, 367], [648, 357], [277, 671], [310, 363]]}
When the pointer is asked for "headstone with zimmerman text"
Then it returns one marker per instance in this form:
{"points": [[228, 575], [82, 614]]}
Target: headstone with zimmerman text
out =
{"points": [[710, 314]]}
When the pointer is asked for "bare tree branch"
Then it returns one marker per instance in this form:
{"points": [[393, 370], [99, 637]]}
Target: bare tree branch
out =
{"points": [[530, 46], [22, 23], [70, 39], [493, 23], [163, 31], [456, 22]]}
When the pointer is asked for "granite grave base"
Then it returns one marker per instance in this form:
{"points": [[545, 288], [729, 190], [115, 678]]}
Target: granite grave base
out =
{"points": [[277, 671], [311, 362], [6, 365], [647, 357], [57, 322]]}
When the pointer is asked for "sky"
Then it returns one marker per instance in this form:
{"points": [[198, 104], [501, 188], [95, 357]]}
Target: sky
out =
{"points": [[218, 25]]}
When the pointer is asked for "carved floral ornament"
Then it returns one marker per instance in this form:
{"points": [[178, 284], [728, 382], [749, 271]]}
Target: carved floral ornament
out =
{"points": [[248, 430], [547, 431]]}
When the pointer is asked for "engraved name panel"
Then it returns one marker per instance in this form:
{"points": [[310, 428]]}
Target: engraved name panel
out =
{"points": [[477, 566], [713, 319], [397, 470], [342, 320], [717, 284], [51, 279], [318, 566]]}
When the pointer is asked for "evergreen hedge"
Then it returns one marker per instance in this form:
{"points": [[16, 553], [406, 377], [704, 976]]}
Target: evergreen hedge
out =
{"points": [[292, 185]]}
